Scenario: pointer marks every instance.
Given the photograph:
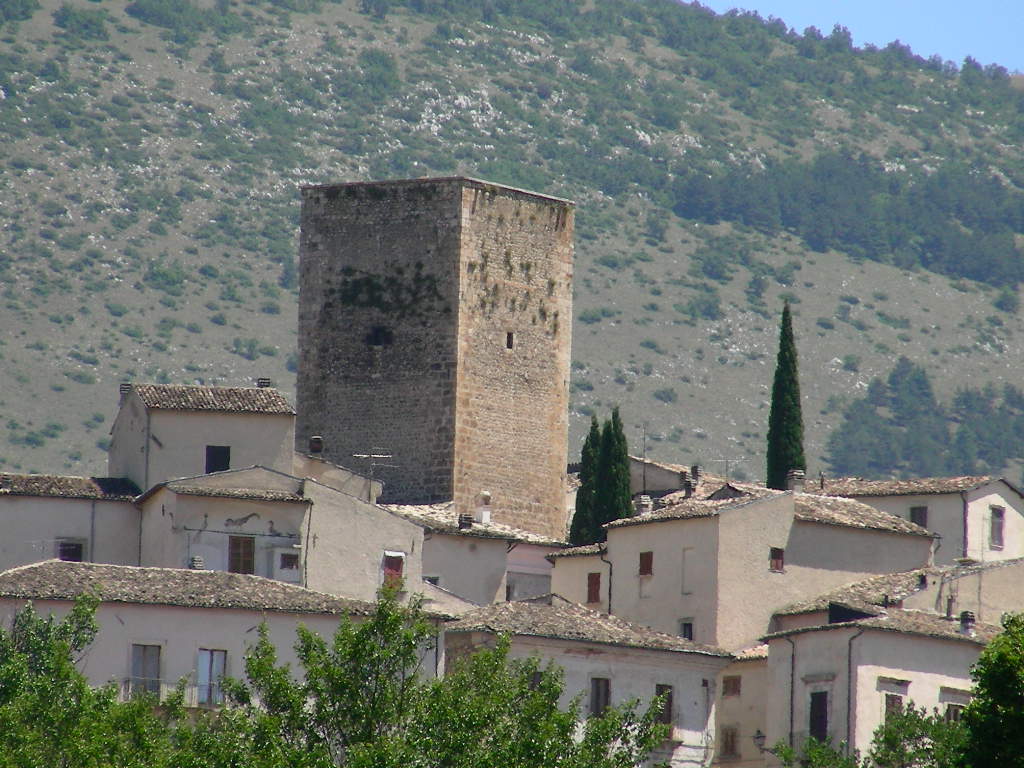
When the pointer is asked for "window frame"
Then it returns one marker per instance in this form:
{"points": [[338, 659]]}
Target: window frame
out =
{"points": [[777, 559], [389, 575], [814, 724], [237, 559], [600, 695], [215, 456], [141, 660], [729, 742], [732, 685], [666, 715], [593, 587], [996, 527], [683, 624], [214, 691], [921, 513], [73, 542], [645, 567]]}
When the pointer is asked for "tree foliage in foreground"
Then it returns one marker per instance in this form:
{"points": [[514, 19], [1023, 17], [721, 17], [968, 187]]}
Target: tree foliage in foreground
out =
{"points": [[357, 699]]}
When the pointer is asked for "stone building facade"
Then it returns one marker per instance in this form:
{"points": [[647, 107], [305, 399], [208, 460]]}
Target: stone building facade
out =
{"points": [[435, 318]]}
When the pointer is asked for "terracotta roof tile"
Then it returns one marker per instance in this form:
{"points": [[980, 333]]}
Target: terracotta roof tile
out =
{"points": [[585, 549], [859, 486], [69, 487], [443, 518], [911, 623], [221, 399], [564, 620], [253, 494], [59, 580], [832, 510], [690, 508]]}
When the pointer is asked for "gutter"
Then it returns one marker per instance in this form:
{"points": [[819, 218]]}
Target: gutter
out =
{"points": [[610, 574], [849, 689]]}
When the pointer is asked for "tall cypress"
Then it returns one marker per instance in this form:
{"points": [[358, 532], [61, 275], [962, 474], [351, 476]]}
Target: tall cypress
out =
{"points": [[785, 421], [583, 529], [612, 498]]}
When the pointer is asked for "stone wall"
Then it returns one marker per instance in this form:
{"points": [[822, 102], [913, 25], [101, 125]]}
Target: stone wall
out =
{"points": [[434, 322]]}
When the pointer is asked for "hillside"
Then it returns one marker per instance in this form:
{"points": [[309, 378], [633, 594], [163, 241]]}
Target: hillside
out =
{"points": [[153, 149]]}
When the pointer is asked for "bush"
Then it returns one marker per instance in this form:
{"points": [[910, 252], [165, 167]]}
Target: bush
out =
{"points": [[667, 395]]}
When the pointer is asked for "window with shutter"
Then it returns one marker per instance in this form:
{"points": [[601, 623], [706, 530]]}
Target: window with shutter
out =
{"points": [[241, 554], [646, 563], [665, 714], [210, 668], [600, 695], [593, 587], [818, 720], [145, 676]]}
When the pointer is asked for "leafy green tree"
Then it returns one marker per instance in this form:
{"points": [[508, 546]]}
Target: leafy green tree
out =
{"points": [[785, 420], [612, 498], [583, 529], [995, 717], [912, 737]]}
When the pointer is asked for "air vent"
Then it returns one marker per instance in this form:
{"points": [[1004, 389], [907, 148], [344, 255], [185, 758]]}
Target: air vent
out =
{"points": [[263, 382]]}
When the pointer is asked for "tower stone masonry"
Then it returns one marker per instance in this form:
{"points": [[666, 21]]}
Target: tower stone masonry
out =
{"points": [[435, 320]]}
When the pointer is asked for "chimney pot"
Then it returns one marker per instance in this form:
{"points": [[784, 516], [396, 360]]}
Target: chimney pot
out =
{"points": [[643, 504], [967, 622], [795, 480], [483, 510], [316, 444]]}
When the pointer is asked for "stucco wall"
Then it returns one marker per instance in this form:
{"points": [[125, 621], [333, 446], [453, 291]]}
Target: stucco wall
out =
{"points": [[652, 477], [528, 573], [177, 441], [471, 567], [181, 632], [989, 593], [32, 525], [681, 587], [979, 505], [632, 674], [745, 712], [569, 579], [344, 541]]}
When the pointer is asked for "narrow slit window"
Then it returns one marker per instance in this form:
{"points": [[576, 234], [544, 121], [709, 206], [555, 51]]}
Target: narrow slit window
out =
{"points": [[510, 340]]}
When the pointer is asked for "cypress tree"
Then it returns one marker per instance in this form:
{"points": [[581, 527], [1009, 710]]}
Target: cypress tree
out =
{"points": [[785, 421], [612, 498], [583, 529]]}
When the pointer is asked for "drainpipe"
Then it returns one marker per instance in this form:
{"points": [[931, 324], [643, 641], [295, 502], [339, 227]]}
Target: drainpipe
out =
{"points": [[849, 690], [145, 473], [92, 532], [609, 564], [792, 685], [963, 497]]}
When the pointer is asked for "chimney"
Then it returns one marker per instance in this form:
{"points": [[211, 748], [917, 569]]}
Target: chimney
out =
{"points": [[695, 475], [967, 623], [483, 509], [795, 480], [643, 505], [123, 389], [196, 563], [821, 480], [316, 444], [263, 382], [689, 485], [950, 603]]}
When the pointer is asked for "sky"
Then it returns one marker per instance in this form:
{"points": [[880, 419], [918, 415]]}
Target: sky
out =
{"points": [[992, 31]]}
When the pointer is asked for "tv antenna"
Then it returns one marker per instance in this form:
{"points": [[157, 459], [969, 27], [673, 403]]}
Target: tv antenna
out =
{"points": [[373, 458], [727, 462]]}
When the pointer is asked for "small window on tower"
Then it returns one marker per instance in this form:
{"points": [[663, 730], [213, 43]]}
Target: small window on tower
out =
{"points": [[509, 340], [379, 336]]}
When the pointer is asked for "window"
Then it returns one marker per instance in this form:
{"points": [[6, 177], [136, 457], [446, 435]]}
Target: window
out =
{"points": [[995, 530], [593, 587], [393, 566], [665, 715], [210, 667], [919, 516], [685, 574], [218, 458], [731, 685], [145, 676], [241, 554], [893, 705], [646, 563], [288, 561], [729, 741], [72, 550], [776, 559], [600, 695], [818, 720], [686, 629], [954, 713], [509, 340], [379, 336]]}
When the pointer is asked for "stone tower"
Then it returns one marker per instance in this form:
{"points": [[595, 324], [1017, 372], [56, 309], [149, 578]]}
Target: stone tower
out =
{"points": [[435, 318]]}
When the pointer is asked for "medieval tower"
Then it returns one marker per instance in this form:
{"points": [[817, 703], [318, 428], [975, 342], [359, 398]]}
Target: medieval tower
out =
{"points": [[435, 318]]}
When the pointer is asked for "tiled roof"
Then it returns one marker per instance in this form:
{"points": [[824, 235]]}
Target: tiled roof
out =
{"points": [[444, 519], [59, 580], [585, 549], [753, 653], [911, 623], [223, 399], [832, 510], [858, 486], [718, 489], [870, 594], [252, 494], [682, 510], [564, 620], [65, 486]]}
